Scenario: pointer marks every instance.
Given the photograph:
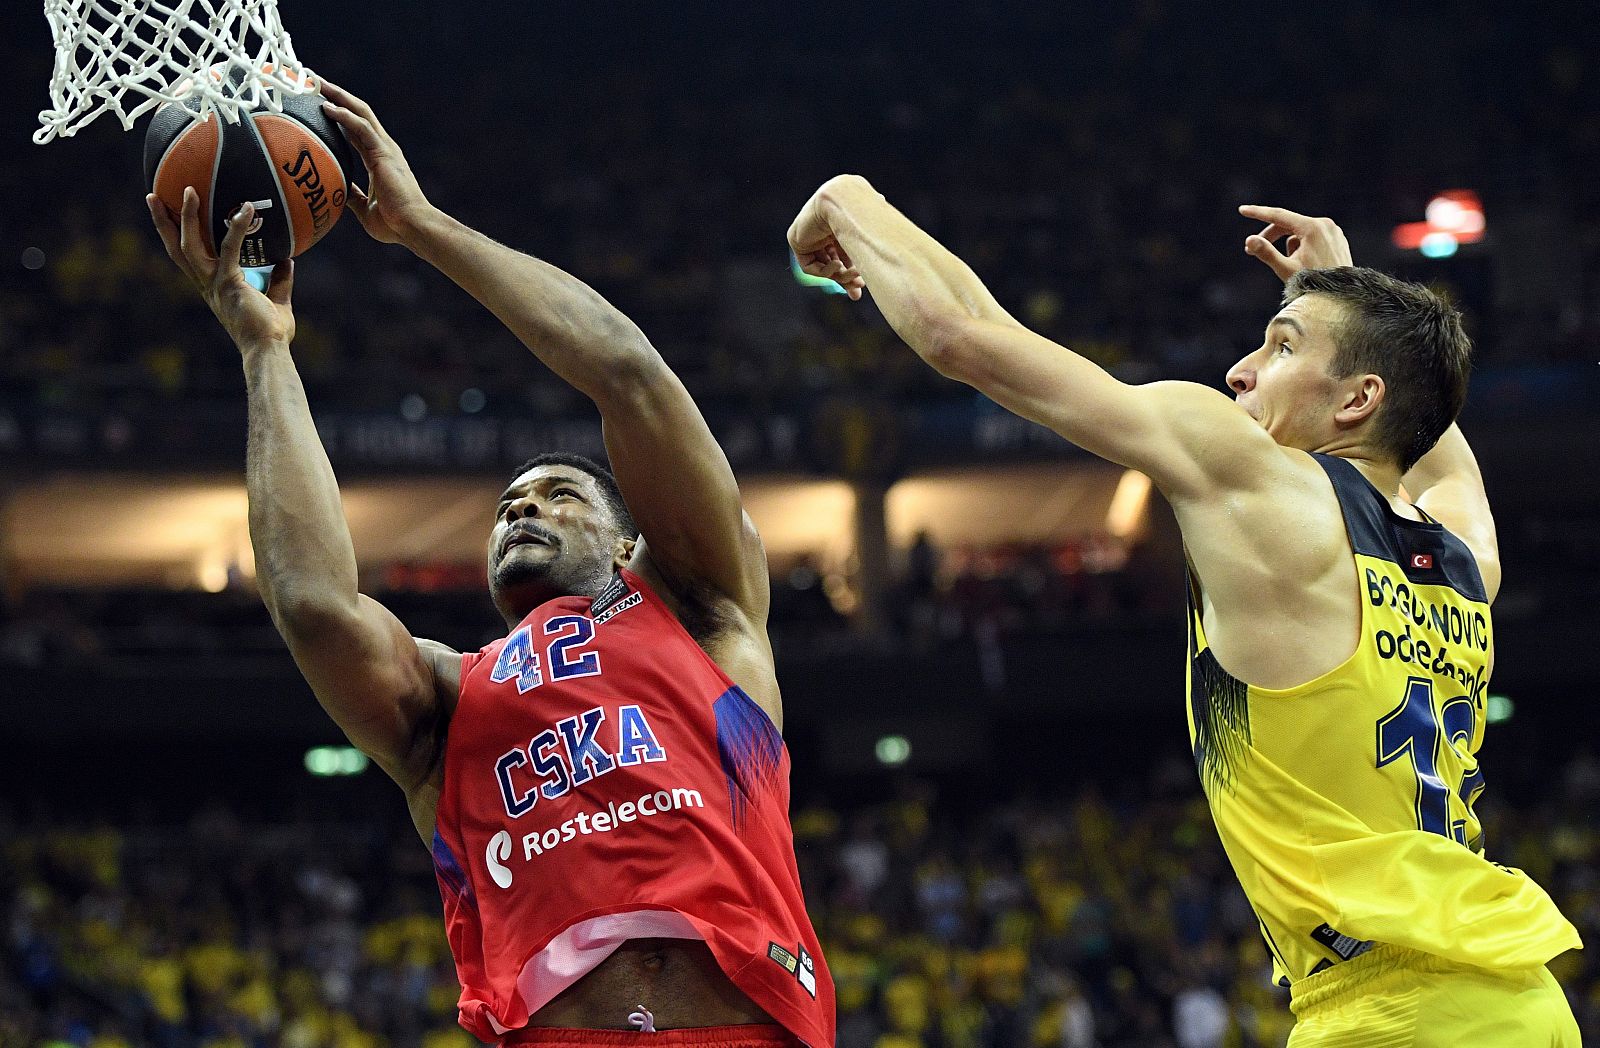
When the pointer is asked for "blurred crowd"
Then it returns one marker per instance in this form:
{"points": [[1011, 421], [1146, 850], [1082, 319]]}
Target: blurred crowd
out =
{"points": [[1101, 918], [982, 593], [1098, 199]]}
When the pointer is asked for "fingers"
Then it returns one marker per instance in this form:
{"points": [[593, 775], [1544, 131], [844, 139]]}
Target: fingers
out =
{"points": [[281, 286], [361, 131], [191, 238], [1262, 248], [167, 229], [830, 264], [1290, 221], [228, 253], [348, 101], [357, 200]]}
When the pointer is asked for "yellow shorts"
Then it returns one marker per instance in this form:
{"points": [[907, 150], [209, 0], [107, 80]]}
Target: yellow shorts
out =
{"points": [[1395, 998]]}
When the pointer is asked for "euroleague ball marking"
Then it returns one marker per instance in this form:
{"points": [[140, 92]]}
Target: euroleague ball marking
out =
{"points": [[303, 171], [259, 205]]}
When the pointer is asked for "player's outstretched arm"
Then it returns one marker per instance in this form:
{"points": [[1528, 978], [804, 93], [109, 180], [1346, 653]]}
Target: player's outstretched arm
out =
{"points": [[673, 474], [387, 691], [1446, 482], [1191, 440]]}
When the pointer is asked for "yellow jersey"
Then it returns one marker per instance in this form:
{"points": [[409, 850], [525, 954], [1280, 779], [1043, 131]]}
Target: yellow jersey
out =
{"points": [[1345, 804]]}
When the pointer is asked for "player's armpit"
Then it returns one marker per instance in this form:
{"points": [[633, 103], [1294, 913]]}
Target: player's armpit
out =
{"points": [[681, 490], [390, 693], [1189, 439]]}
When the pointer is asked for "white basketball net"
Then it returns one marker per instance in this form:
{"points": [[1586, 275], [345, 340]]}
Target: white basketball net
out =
{"points": [[127, 56]]}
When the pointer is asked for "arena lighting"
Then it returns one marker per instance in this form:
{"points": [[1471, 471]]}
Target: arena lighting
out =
{"points": [[1126, 511], [1453, 217], [328, 761], [893, 750], [1438, 245], [1500, 708]]}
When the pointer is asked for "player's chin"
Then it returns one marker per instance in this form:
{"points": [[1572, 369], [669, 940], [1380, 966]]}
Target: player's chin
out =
{"points": [[518, 568]]}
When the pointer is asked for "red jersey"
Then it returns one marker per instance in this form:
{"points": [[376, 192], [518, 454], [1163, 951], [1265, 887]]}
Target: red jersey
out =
{"points": [[604, 780]]}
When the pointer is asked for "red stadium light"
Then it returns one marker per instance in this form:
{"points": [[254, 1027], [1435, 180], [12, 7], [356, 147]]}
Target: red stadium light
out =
{"points": [[1454, 217]]}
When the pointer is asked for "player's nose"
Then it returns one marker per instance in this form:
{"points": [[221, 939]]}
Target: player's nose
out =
{"points": [[517, 509], [1241, 379]]}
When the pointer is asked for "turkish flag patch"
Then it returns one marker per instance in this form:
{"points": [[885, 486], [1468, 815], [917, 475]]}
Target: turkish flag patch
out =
{"points": [[1422, 561]]}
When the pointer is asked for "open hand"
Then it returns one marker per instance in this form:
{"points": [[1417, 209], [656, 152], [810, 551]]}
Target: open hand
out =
{"points": [[819, 251], [393, 202], [248, 315], [1314, 243]]}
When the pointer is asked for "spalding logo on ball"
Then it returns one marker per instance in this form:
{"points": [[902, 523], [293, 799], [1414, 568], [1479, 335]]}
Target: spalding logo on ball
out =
{"points": [[294, 166]]}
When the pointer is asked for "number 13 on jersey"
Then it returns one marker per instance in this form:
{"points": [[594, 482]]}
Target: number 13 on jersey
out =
{"points": [[1438, 741]]}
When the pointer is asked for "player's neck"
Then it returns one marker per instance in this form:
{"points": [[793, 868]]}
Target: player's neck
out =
{"points": [[1385, 476], [1381, 471]]}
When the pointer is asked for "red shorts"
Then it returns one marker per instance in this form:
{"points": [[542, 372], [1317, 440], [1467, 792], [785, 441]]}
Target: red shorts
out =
{"points": [[753, 1036]]}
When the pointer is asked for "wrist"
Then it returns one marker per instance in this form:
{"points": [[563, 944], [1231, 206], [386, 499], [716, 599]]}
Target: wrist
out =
{"points": [[260, 345], [839, 190], [420, 225]]}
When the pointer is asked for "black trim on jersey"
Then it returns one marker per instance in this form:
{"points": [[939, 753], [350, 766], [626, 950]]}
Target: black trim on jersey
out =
{"points": [[1272, 947], [1220, 704], [1376, 530]]}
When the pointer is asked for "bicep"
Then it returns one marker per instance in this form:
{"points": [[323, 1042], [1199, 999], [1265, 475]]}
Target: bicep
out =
{"points": [[681, 490], [378, 683], [1186, 437]]}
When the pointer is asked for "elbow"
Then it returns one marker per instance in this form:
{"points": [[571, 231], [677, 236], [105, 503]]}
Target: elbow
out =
{"points": [[632, 366], [946, 342]]}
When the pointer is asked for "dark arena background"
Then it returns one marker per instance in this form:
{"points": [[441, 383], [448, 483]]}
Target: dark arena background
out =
{"points": [[979, 629]]}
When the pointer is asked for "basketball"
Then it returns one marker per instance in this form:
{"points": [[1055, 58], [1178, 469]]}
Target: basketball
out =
{"points": [[294, 166]]}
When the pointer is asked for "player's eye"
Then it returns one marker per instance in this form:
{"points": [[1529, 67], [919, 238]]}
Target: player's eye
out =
{"points": [[1283, 347], [563, 491]]}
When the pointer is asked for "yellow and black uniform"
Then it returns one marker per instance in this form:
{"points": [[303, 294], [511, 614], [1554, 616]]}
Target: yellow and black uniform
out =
{"points": [[1345, 806]]}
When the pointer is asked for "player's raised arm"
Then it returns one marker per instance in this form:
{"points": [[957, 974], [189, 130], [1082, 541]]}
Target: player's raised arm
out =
{"points": [[388, 692], [673, 474], [1189, 439]]}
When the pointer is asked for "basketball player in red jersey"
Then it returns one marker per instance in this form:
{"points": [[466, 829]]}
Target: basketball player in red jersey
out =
{"points": [[606, 789]]}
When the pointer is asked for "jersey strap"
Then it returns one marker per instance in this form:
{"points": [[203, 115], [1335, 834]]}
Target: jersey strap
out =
{"points": [[1427, 553]]}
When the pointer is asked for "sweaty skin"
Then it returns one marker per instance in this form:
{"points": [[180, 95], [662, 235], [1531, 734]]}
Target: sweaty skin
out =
{"points": [[1259, 517], [392, 694]]}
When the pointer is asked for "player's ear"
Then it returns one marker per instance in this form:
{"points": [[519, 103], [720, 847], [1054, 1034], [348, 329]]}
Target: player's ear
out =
{"points": [[622, 554], [1360, 400]]}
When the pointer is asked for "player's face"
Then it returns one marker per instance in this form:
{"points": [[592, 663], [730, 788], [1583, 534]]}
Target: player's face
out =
{"points": [[1285, 385], [554, 536]]}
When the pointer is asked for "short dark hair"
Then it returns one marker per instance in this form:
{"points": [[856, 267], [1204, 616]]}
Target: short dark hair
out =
{"points": [[1407, 335], [602, 478]]}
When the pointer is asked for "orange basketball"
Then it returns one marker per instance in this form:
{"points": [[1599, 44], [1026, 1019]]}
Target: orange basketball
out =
{"points": [[294, 166]]}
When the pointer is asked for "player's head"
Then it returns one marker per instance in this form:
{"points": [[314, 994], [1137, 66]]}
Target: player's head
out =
{"points": [[561, 528], [1357, 359]]}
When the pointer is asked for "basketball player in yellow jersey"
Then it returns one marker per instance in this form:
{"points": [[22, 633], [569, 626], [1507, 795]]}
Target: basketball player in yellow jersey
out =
{"points": [[1340, 637]]}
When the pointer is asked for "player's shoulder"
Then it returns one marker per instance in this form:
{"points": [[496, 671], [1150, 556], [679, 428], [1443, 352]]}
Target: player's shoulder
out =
{"points": [[1227, 448]]}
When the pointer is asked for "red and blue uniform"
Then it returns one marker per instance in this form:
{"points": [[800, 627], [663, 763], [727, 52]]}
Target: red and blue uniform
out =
{"points": [[604, 780]]}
